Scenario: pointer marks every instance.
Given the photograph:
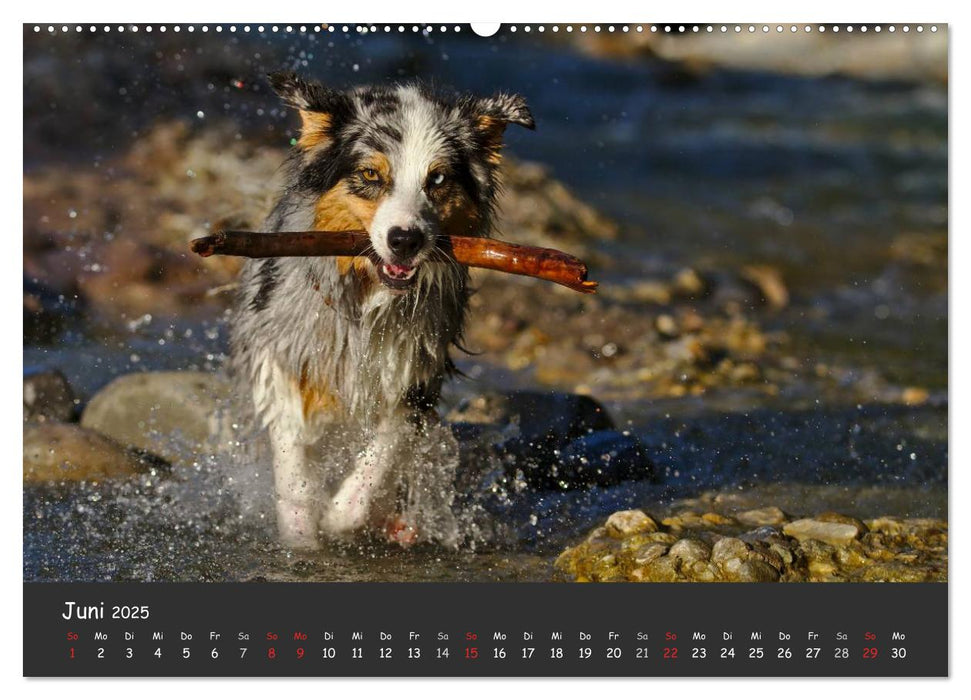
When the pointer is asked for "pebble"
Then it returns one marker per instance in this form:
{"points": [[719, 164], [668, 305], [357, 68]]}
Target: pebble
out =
{"points": [[624, 523], [729, 548], [831, 517], [829, 532], [689, 551], [762, 516], [649, 552], [666, 326]]}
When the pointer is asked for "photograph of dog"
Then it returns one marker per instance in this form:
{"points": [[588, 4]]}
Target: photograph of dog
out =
{"points": [[345, 341], [752, 388]]}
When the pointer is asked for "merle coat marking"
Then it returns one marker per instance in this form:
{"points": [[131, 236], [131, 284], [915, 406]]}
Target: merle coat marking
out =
{"points": [[328, 346]]}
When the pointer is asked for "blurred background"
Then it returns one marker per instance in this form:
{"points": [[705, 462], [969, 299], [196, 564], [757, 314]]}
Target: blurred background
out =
{"points": [[766, 213]]}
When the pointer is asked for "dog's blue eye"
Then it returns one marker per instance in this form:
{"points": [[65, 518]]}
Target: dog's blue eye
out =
{"points": [[436, 179]]}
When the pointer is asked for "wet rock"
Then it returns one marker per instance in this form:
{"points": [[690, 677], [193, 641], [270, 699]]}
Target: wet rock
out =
{"points": [[717, 519], [649, 552], [762, 516], [820, 558], [760, 534], [764, 553], [689, 519], [729, 548], [629, 522], [830, 532], [890, 526], [47, 396], [58, 452], [539, 416], [606, 569], [749, 571], [664, 569], [549, 441], [170, 413], [689, 551], [832, 517]]}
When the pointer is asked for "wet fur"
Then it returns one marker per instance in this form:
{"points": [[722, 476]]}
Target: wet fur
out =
{"points": [[319, 345]]}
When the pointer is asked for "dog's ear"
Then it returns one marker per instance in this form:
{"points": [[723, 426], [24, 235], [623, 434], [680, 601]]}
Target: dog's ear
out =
{"points": [[322, 110], [506, 109], [493, 114]]}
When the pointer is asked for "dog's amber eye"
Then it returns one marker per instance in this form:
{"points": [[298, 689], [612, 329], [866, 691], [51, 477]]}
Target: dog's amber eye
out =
{"points": [[370, 175]]}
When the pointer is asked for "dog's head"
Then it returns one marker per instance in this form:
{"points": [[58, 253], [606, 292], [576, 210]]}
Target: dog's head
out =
{"points": [[401, 162]]}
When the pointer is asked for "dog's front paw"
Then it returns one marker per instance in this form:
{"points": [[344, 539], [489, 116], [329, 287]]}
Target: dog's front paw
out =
{"points": [[297, 526], [397, 529], [344, 515]]}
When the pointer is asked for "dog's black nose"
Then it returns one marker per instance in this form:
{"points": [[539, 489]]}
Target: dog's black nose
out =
{"points": [[405, 242]]}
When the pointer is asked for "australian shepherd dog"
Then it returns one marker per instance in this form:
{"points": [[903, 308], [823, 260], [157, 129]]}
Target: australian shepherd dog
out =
{"points": [[333, 347]]}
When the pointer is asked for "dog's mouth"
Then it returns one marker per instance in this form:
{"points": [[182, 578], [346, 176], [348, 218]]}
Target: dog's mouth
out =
{"points": [[399, 278]]}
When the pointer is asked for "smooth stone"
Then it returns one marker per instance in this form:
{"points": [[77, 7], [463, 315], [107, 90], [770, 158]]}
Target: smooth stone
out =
{"points": [[57, 452], [689, 551], [749, 571], [765, 554], [650, 552], [729, 548], [539, 416], [624, 523], [831, 533], [662, 569], [762, 516], [47, 396], [170, 413], [760, 534], [717, 520], [832, 517]]}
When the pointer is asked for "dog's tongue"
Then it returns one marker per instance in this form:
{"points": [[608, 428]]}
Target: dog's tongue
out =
{"points": [[399, 269]]}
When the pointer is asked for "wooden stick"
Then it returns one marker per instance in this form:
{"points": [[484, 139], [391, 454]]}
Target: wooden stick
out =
{"points": [[542, 263]]}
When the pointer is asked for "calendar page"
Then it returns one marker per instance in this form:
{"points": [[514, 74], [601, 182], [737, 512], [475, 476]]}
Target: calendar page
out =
{"points": [[354, 349]]}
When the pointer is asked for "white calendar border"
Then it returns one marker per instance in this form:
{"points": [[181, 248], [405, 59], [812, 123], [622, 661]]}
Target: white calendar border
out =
{"points": [[510, 11]]}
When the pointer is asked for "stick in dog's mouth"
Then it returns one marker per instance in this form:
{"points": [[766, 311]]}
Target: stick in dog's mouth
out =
{"points": [[488, 253]]}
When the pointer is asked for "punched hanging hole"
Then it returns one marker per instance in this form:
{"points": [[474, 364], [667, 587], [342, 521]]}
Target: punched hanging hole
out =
{"points": [[485, 29]]}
